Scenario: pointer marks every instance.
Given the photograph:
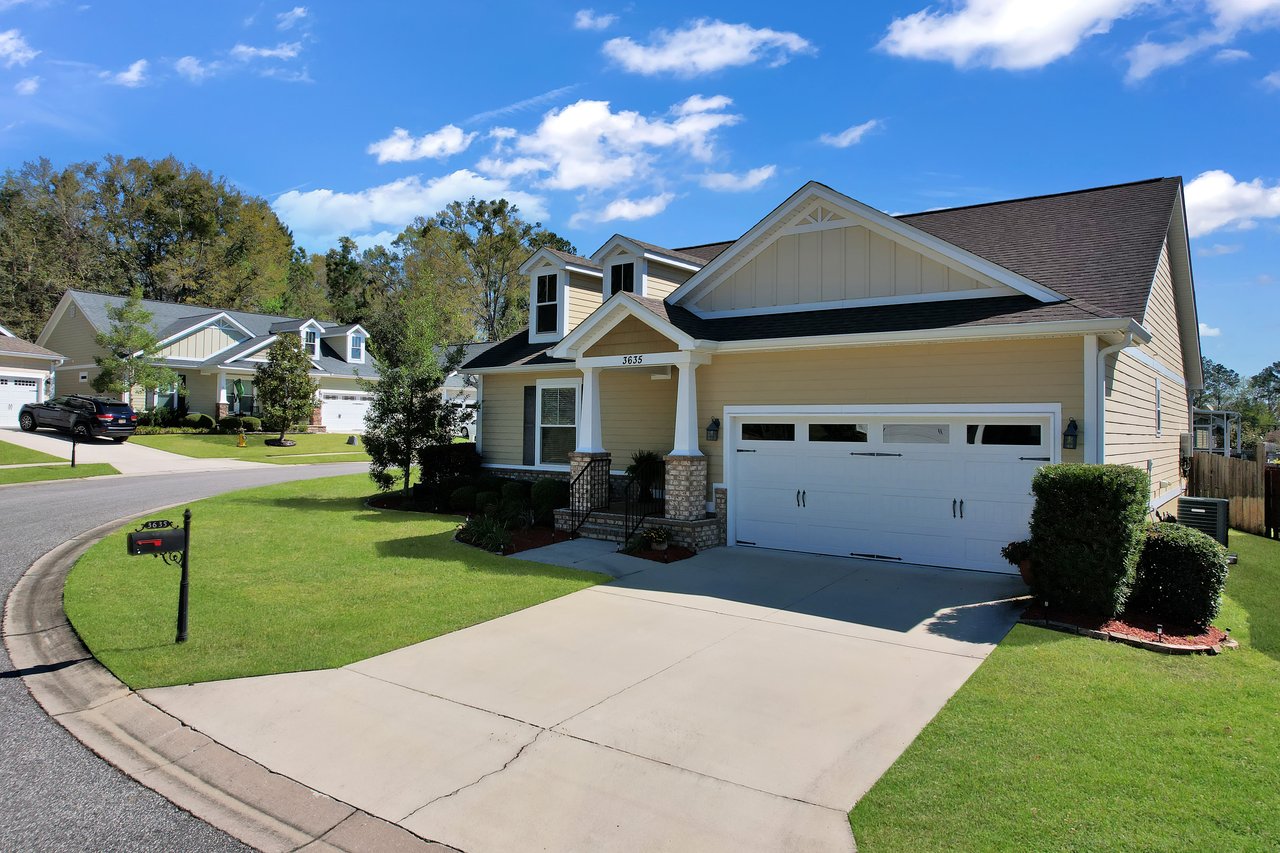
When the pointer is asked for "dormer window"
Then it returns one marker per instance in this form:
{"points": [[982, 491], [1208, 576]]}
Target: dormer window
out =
{"points": [[546, 310], [357, 348], [311, 343], [622, 277]]}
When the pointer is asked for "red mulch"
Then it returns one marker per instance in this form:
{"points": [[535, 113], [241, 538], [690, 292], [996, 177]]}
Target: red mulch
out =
{"points": [[534, 537], [1134, 625], [671, 555]]}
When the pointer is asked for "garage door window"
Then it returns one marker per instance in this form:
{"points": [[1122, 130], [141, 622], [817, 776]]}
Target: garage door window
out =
{"points": [[768, 432], [557, 423], [1006, 435], [917, 433], [852, 433]]}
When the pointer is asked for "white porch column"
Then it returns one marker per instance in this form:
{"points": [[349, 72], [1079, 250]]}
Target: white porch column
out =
{"points": [[222, 388], [687, 411], [589, 439]]}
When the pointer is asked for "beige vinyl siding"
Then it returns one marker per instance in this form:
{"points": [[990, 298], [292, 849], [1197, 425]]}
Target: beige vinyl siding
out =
{"points": [[1161, 318], [16, 364], [502, 414], [202, 392], [73, 337], [661, 280], [629, 337], [837, 264], [583, 295], [1027, 371], [200, 344]]}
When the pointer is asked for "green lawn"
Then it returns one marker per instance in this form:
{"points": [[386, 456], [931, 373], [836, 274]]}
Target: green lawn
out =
{"points": [[53, 472], [12, 454], [1066, 743], [333, 447], [294, 577]]}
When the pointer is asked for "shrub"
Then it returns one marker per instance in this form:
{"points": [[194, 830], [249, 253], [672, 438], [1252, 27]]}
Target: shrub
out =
{"points": [[1180, 576], [514, 514], [1086, 533], [231, 423], [485, 532], [486, 499], [490, 483], [446, 463], [196, 420], [169, 430], [516, 490], [463, 499], [251, 424], [157, 418], [1016, 552], [546, 496]]}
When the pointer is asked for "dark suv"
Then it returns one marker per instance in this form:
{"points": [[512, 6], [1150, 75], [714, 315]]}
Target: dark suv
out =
{"points": [[82, 416]]}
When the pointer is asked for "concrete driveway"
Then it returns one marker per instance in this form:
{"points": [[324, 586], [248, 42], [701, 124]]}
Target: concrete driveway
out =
{"points": [[127, 458], [739, 700]]}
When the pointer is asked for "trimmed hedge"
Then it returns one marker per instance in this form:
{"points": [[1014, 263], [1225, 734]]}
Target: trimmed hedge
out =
{"points": [[487, 500], [547, 495], [463, 499], [446, 463], [517, 491], [1180, 576], [251, 424], [1086, 533], [230, 423], [196, 420]]}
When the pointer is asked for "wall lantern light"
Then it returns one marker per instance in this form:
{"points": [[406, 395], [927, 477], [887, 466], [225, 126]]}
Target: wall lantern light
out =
{"points": [[1070, 435], [713, 430]]}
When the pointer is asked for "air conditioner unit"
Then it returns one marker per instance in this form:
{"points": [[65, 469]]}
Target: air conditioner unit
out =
{"points": [[1211, 516]]}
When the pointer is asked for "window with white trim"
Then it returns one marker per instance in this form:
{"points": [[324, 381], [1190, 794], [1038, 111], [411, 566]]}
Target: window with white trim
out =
{"points": [[311, 343], [1159, 411], [622, 277], [546, 311], [557, 423], [357, 347]]}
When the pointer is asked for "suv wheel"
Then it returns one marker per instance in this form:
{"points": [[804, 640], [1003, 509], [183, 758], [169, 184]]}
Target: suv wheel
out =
{"points": [[81, 431], [27, 421]]}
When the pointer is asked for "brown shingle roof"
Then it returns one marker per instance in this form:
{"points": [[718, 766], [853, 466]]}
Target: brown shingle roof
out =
{"points": [[10, 345]]}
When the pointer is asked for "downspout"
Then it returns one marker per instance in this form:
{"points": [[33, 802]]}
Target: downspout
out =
{"points": [[1101, 386]]}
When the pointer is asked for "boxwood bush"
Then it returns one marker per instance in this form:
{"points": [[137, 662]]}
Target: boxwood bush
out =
{"points": [[230, 423], [1086, 533], [197, 420], [251, 424], [486, 500], [463, 499], [548, 495], [516, 490], [1180, 577]]}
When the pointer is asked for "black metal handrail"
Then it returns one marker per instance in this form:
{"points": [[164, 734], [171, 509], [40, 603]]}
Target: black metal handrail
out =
{"points": [[638, 503], [588, 492]]}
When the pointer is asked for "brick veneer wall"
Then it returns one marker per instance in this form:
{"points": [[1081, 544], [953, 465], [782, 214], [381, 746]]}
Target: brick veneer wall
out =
{"points": [[686, 487]]}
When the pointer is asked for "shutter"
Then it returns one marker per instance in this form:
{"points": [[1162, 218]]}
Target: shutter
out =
{"points": [[530, 423]]}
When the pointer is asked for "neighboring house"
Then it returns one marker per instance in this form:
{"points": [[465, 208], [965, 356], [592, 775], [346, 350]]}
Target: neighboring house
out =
{"points": [[215, 353], [461, 389], [843, 381], [25, 371]]}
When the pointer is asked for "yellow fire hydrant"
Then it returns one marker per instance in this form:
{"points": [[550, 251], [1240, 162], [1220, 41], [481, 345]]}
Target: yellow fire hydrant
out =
{"points": [[242, 444]]}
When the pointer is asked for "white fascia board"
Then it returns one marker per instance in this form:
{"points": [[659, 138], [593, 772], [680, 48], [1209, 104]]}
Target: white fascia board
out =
{"points": [[545, 255], [182, 333], [5, 333], [356, 329], [881, 221], [617, 308], [634, 248], [524, 368], [1184, 293], [56, 359], [1012, 330], [258, 348]]}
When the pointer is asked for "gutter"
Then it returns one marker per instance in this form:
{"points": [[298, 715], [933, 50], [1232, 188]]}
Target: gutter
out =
{"points": [[1100, 388]]}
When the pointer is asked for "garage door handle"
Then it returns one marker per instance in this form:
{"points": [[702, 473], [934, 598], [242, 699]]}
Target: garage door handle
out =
{"points": [[953, 507], [804, 498], [797, 497], [856, 453], [1033, 458], [962, 509]]}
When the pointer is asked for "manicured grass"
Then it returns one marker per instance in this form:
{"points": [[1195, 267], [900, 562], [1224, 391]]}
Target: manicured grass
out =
{"points": [[12, 454], [54, 472], [224, 446], [294, 577], [1066, 743]]}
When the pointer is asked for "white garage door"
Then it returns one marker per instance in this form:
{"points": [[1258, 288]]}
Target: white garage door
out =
{"points": [[943, 491], [14, 392], [343, 412]]}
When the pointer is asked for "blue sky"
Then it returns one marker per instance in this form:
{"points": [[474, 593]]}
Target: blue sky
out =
{"points": [[679, 123]]}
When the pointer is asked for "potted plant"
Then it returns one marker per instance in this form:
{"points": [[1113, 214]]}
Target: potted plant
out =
{"points": [[658, 538], [648, 469], [1019, 554]]}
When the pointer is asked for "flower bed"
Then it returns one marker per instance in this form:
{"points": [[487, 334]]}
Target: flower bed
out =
{"points": [[1134, 629]]}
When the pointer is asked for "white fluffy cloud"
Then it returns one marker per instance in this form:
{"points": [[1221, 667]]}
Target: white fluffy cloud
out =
{"points": [[132, 77], [1012, 34], [728, 182], [288, 20], [400, 147], [1230, 18], [1207, 331], [704, 46], [193, 69], [1216, 200], [849, 136], [14, 49], [587, 19], [587, 145], [284, 50], [625, 209], [321, 216], [27, 86], [1219, 249]]}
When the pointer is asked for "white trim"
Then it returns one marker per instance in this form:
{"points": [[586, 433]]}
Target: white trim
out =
{"points": [[1160, 500], [562, 308], [478, 419], [679, 358], [876, 220], [639, 269], [545, 255], [567, 382], [56, 359], [1090, 417], [6, 333], [1147, 360], [634, 248], [364, 346], [906, 299], [618, 305], [195, 327]]}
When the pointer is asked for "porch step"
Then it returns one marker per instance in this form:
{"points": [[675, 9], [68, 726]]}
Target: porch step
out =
{"points": [[605, 531]]}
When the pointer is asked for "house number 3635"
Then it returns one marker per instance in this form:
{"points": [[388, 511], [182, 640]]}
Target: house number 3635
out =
{"points": [[633, 359]]}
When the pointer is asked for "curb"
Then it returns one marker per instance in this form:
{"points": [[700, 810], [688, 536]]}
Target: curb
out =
{"points": [[247, 801]]}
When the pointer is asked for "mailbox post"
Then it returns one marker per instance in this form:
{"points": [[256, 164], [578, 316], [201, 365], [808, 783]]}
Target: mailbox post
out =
{"points": [[173, 545], [182, 588]]}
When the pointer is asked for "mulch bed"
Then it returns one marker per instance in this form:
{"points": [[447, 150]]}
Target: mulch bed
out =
{"points": [[534, 537], [1134, 629], [671, 555]]}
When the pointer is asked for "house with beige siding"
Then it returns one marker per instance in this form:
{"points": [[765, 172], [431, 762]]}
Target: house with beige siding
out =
{"points": [[844, 381], [215, 353], [26, 371]]}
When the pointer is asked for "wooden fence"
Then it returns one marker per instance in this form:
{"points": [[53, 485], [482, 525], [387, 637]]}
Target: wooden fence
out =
{"points": [[1251, 486]]}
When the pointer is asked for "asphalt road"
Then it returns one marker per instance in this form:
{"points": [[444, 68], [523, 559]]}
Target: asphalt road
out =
{"points": [[54, 793]]}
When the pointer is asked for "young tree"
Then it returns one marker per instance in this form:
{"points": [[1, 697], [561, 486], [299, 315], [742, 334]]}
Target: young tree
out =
{"points": [[1221, 383], [284, 387], [408, 412], [132, 349]]}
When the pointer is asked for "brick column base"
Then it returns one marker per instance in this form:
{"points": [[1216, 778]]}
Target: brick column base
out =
{"points": [[223, 410], [595, 490], [686, 487], [316, 424], [721, 496]]}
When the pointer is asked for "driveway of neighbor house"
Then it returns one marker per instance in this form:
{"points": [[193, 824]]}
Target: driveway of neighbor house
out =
{"points": [[741, 699], [127, 458]]}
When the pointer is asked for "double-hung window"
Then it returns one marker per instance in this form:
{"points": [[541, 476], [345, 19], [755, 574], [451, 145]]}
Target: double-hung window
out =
{"points": [[311, 343], [622, 277], [557, 423], [357, 348], [546, 310]]}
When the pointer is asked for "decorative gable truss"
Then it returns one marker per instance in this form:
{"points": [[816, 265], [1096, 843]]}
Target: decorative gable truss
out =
{"points": [[821, 249], [204, 338]]}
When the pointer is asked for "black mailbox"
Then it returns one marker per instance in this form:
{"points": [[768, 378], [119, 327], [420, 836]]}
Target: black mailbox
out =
{"points": [[163, 541]]}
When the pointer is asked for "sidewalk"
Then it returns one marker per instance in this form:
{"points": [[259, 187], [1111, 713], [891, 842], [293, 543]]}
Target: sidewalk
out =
{"points": [[127, 458]]}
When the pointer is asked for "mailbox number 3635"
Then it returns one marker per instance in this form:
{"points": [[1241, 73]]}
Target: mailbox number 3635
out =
{"points": [[633, 359]]}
